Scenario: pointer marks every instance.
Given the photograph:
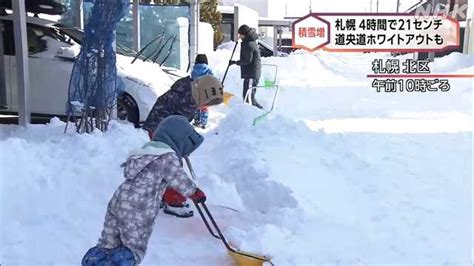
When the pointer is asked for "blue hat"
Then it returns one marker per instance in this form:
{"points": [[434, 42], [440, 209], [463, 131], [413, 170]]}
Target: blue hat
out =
{"points": [[176, 132]]}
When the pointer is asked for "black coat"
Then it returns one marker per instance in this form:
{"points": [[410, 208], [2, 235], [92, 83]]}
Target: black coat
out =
{"points": [[176, 101], [250, 62]]}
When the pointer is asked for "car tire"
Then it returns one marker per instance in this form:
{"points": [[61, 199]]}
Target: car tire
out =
{"points": [[127, 109]]}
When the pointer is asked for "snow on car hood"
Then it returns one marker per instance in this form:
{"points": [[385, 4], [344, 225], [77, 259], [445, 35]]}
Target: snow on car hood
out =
{"points": [[145, 81], [55, 48], [145, 73]]}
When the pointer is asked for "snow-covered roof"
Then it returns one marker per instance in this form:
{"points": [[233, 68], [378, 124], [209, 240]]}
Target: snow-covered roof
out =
{"points": [[225, 9]]}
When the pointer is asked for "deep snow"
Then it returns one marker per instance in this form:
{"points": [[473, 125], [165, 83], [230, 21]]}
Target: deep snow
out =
{"points": [[338, 175]]}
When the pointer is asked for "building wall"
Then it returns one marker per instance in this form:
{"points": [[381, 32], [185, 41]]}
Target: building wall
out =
{"points": [[258, 5], [245, 15], [275, 9], [206, 38]]}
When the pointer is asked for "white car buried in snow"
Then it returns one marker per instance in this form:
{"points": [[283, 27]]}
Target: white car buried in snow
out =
{"points": [[51, 52]]}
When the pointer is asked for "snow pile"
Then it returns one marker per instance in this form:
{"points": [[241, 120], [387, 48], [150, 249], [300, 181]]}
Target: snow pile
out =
{"points": [[454, 63], [332, 85], [64, 181], [250, 173], [354, 193]]}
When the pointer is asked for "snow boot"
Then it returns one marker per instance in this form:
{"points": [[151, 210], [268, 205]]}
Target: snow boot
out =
{"points": [[96, 256], [122, 256], [181, 211]]}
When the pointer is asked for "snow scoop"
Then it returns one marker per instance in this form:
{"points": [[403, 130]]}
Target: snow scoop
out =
{"points": [[241, 258], [269, 83], [227, 97]]}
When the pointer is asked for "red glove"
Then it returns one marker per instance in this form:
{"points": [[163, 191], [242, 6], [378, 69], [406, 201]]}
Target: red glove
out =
{"points": [[198, 196]]}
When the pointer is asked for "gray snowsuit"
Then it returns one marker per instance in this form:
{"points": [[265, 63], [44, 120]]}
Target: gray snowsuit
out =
{"points": [[148, 172]]}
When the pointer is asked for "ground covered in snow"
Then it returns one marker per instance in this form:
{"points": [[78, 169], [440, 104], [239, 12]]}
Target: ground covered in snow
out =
{"points": [[337, 175]]}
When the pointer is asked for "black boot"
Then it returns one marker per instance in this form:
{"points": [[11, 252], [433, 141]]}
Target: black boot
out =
{"points": [[256, 104]]}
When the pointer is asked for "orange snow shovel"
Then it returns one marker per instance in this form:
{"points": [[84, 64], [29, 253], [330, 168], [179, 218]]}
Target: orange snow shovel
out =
{"points": [[241, 258], [227, 97]]}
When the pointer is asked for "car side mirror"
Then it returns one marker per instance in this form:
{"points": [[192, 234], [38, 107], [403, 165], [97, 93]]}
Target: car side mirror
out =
{"points": [[68, 52]]}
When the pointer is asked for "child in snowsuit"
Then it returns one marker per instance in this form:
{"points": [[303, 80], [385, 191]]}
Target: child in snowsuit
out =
{"points": [[132, 211], [184, 97], [201, 68]]}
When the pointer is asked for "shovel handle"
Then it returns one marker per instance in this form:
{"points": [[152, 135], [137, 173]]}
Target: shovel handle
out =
{"points": [[219, 234], [193, 175], [205, 221], [227, 69]]}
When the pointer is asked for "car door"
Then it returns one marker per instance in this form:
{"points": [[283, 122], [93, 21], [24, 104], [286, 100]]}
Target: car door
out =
{"points": [[48, 74]]}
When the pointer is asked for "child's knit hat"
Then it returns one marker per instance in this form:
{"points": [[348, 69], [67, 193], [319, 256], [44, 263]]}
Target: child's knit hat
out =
{"points": [[176, 132]]}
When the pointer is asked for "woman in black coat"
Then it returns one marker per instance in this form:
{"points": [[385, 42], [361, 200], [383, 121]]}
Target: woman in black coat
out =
{"points": [[250, 62]]}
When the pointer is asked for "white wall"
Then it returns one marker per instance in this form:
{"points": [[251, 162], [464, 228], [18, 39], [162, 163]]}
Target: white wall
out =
{"points": [[273, 9], [206, 38], [258, 5], [183, 25], [277, 9], [245, 15]]}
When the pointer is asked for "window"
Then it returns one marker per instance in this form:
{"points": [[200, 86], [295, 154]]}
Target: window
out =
{"points": [[8, 42], [35, 35], [35, 42]]}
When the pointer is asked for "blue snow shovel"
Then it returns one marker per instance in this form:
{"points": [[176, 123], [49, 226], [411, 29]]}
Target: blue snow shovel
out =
{"points": [[241, 258]]}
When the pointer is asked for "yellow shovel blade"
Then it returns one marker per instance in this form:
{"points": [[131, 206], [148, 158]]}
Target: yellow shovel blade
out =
{"points": [[242, 260], [227, 97]]}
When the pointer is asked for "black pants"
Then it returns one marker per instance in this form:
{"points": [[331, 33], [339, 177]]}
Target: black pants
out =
{"points": [[251, 97]]}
